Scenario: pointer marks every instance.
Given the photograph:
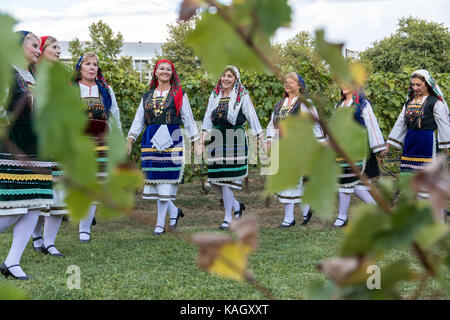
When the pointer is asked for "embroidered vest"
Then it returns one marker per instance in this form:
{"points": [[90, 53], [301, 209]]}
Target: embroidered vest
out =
{"points": [[420, 116], [160, 110], [219, 116], [280, 112]]}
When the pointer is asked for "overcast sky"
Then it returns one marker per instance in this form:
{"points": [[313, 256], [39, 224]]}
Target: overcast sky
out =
{"points": [[357, 23]]}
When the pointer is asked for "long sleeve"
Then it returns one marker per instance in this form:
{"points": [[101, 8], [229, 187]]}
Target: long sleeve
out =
{"points": [[207, 122], [188, 119], [376, 140], [441, 116], [398, 132], [138, 123], [271, 132], [115, 112], [250, 114], [318, 132]]}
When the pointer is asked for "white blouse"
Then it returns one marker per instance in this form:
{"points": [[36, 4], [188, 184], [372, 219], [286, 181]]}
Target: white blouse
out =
{"points": [[87, 92], [441, 116], [186, 116], [272, 133], [247, 109], [376, 140]]}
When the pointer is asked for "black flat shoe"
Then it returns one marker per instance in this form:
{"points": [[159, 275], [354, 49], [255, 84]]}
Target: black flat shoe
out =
{"points": [[94, 222], [307, 218], [180, 214], [238, 214], [224, 226], [342, 225], [287, 225], [53, 254], [87, 240], [39, 249], [6, 272]]}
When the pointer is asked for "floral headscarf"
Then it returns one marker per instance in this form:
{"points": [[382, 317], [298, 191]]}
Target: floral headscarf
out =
{"points": [[236, 97]]}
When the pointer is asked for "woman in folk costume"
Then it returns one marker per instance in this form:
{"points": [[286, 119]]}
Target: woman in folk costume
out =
{"points": [[291, 105], [51, 51], [25, 181], [348, 180], [101, 108], [162, 110], [424, 112], [229, 106]]}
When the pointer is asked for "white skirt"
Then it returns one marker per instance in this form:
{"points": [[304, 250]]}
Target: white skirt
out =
{"points": [[160, 191], [292, 195]]}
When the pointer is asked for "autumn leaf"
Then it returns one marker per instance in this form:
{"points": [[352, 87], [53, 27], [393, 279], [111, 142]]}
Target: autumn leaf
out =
{"points": [[222, 255]]}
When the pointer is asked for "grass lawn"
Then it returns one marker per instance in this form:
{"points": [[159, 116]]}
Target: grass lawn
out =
{"points": [[125, 261]]}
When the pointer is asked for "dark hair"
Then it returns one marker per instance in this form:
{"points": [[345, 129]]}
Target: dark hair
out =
{"points": [[411, 91]]}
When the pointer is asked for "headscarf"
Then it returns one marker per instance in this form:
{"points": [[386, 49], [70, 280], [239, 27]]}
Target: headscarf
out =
{"points": [[280, 103], [43, 40], [430, 80], [176, 90], [359, 102], [23, 35], [101, 84], [236, 97]]}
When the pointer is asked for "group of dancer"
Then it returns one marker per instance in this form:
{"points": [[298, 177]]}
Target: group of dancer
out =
{"points": [[32, 200]]}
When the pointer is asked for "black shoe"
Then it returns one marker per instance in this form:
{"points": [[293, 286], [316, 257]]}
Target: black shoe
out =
{"points": [[53, 254], [180, 214], [94, 222], [87, 240], [307, 218], [224, 226], [6, 273], [287, 225], [156, 233], [38, 248], [238, 214], [342, 225]]}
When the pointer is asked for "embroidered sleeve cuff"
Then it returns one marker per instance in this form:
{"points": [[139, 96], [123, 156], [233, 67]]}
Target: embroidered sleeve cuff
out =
{"points": [[444, 145], [132, 136], [395, 143], [378, 148]]}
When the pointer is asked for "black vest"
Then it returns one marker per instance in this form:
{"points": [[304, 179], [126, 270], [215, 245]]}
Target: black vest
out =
{"points": [[425, 115], [163, 112], [279, 115]]}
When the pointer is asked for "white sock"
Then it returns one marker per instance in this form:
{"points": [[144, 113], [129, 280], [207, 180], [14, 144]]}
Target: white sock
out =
{"points": [[21, 235], [288, 213], [51, 227], [364, 195], [162, 211], [8, 221], [37, 232], [85, 224], [305, 208], [227, 195], [236, 205], [344, 202], [173, 213]]}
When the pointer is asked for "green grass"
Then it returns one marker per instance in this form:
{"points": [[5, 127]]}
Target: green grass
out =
{"points": [[125, 261]]}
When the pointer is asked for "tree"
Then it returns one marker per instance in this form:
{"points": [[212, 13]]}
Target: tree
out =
{"points": [[103, 42], [176, 50], [416, 43]]}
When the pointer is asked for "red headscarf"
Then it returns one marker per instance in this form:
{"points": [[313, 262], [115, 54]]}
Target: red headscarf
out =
{"points": [[176, 89], [43, 40]]}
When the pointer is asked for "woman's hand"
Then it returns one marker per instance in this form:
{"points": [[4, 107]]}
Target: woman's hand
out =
{"points": [[129, 145], [384, 152]]}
